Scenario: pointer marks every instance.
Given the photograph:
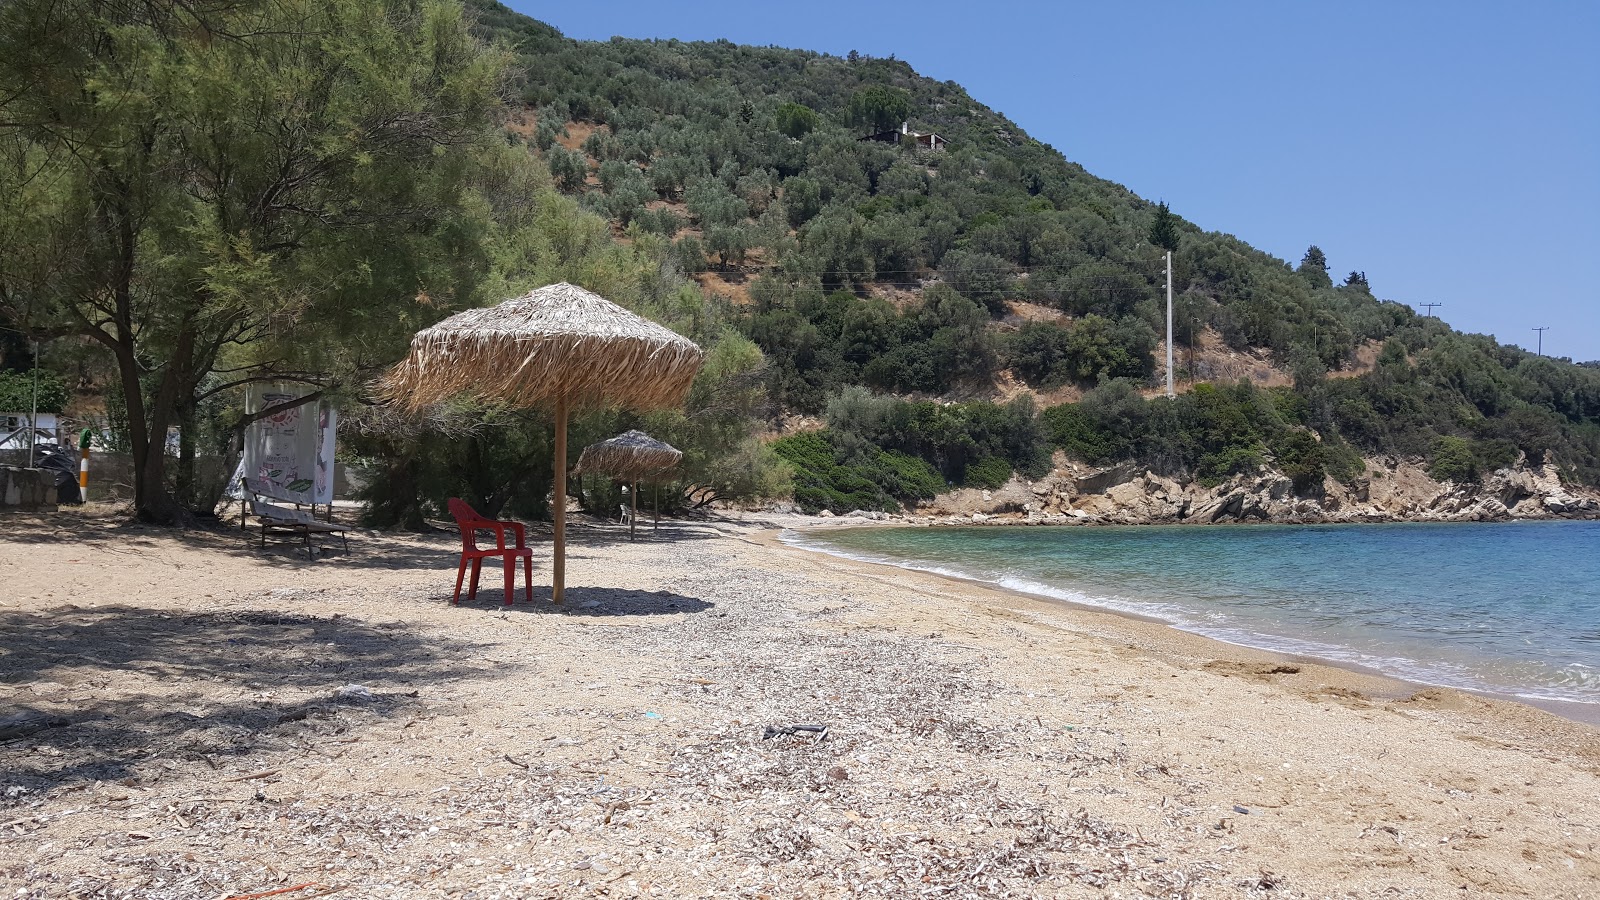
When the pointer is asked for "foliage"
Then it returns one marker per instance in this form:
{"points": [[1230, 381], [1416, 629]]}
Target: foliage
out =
{"points": [[1452, 460], [990, 473], [879, 107], [952, 437], [1164, 230], [394, 198], [1050, 355], [1299, 456], [1211, 432], [1314, 267], [17, 392], [795, 120], [881, 481], [998, 219], [209, 191]]}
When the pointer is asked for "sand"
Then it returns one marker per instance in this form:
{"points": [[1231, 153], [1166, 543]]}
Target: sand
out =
{"points": [[209, 721]]}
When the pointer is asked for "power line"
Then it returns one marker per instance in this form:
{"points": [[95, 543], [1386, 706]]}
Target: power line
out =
{"points": [[1010, 269], [1430, 307]]}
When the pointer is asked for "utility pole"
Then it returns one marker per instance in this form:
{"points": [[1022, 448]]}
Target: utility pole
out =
{"points": [[1430, 307], [33, 420], [1541, 331], [1170, 392], [1164, 234]]}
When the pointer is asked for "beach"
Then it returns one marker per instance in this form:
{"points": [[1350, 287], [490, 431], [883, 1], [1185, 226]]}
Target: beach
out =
{"points": [[190, 717]]}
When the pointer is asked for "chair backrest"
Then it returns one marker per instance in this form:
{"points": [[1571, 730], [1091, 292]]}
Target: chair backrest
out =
{"points": [[465, 516], [260, 493], [256, 502]]}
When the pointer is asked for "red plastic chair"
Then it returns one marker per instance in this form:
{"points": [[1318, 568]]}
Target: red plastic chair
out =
{"points": [[471, 523]]}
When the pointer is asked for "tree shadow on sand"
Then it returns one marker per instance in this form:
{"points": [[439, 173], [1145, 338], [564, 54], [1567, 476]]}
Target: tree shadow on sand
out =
{"points": [[63, 537], [107, 693], [579, 601]]}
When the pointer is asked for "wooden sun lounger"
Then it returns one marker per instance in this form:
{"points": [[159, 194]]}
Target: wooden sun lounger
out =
{"points": [[285, 522]]}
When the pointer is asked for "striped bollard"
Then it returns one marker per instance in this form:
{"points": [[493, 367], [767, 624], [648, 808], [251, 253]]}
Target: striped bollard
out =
{"points": [[83, 466]]}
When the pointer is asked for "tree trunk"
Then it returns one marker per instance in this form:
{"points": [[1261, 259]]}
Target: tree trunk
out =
{"points": [[153, 502], [133, 404], [185, 489]]}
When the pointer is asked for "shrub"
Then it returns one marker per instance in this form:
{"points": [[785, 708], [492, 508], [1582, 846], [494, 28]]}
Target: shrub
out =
{"points": [[1453, 460], [1301, 458], [1342, 460], [795, 120], [907, 477], [980, 277], [1214, 468], [989, 473], [16, 392], [881, 481]]}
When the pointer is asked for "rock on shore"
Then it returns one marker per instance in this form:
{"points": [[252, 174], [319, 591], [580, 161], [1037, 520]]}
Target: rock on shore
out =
{"points": [[1391, 490]]}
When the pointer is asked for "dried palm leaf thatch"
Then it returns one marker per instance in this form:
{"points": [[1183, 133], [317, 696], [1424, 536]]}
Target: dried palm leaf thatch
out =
{"points": [[559, 343], [390, 420], [560, 346], [630, 456]]}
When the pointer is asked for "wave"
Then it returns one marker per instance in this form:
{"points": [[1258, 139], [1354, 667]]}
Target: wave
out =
{"points": [[1571, 685]]}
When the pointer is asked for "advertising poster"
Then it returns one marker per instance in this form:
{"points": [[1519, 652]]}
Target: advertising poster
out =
{"points": [[289, 454]]}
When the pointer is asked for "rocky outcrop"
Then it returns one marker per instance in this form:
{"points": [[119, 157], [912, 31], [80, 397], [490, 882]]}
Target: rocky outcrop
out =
{"points": [[1391, 490]]}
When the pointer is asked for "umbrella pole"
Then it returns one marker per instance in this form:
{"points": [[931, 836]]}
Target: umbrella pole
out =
{"points": [[633, 518], [558, 581]]}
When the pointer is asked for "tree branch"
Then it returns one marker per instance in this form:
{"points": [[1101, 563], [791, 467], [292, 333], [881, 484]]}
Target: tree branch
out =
{"points": [[257, 379], [265, 412]]}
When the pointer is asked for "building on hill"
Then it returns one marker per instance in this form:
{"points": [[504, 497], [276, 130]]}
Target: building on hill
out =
{"points": [[920, 140]]}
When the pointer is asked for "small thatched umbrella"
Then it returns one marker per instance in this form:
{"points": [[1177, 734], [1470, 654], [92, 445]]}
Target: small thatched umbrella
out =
{"points": [[560, 347], [632, 457]]}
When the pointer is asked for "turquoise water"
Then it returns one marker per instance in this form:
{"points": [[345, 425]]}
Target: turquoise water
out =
{"points": [[1506, 608]]}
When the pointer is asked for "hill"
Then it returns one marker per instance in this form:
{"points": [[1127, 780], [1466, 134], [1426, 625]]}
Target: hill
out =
{"points": [[995, 269], [899, 290]]}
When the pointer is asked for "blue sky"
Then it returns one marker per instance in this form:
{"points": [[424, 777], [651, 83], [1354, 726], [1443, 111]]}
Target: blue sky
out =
{"points": [[1449, 150]]}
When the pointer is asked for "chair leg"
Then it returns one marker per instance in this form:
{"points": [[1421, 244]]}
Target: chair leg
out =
{"points": [[527, 576], [477, 565], [509, 564], [461, 575]]}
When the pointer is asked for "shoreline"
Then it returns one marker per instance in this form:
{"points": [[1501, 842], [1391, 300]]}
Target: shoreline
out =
{"points": [[1585, 714], [209, 719], [860, 519]]}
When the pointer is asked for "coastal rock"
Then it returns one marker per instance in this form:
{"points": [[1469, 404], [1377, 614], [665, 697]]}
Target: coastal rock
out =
{"points": [[1390, 490], [1562, 503], [1099, 481], [1127, 495], [1217, 508]]}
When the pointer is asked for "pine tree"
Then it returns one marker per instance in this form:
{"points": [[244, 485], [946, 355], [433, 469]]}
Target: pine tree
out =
{"points": [[1314, 267], [1164, 230]]}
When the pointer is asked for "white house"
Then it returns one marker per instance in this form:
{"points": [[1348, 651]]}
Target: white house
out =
{"points": [[14, 430]]}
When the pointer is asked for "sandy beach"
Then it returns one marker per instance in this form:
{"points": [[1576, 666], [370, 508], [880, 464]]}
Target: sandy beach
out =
{"points": [[185, 716]]}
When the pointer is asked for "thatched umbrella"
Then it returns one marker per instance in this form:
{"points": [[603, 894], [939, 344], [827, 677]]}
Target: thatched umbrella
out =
{"points": [[631, 456], [560, 347]]}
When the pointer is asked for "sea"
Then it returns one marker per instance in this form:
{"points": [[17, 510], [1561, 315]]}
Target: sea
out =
{"points": [[1509, 609]]}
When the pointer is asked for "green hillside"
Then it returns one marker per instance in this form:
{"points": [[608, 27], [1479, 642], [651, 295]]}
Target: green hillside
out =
{"points": [[888, 267], [298, 199]]}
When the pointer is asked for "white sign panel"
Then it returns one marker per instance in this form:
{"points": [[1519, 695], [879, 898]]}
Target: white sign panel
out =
{"points": [[289, 454]]}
